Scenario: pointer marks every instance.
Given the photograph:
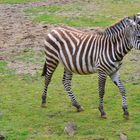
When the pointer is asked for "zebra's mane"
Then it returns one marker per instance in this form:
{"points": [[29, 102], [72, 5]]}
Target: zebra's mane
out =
{"points": [[116, 28]]}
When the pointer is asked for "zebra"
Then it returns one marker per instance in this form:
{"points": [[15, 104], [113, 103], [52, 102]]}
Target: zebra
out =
{"points": [[87, 53]]}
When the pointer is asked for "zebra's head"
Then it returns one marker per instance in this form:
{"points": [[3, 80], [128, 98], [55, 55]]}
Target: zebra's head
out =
{"points": [[133, 31]]}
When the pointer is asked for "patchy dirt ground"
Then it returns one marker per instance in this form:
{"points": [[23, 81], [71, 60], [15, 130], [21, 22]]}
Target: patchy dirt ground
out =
{"points": [[18, 34]]}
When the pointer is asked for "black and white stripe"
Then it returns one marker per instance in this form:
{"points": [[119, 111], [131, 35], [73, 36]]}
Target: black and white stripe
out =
{"points": [[86, 53]]}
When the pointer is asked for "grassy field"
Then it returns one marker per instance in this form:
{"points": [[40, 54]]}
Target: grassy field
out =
{"points": [[22, 118], [86, 13]]}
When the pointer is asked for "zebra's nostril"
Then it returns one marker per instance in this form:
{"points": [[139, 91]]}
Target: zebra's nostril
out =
{"points": [[138, 37]]}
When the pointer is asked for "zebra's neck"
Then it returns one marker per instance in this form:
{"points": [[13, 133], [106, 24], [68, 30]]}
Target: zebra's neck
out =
{"points": [[116, 28], [121, 44], [117, 35]]}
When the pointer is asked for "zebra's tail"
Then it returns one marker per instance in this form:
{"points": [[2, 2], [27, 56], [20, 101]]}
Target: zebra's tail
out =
{"points": [[44, 69]]}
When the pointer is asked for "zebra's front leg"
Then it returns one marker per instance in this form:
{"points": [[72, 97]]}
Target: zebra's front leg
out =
{"points": [[67, 77], [116, 79], [102, 80]]}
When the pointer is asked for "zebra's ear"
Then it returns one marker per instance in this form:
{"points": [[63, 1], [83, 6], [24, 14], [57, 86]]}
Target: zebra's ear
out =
{"points": [[130, 21], [138, 15], [138, 18]]}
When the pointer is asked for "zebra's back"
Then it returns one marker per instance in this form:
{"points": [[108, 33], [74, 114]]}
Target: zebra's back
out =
{"points": [[73, 48]]}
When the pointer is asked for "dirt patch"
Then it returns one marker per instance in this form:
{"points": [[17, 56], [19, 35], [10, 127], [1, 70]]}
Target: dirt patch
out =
{"points": [[24, 68], [18, 32]]}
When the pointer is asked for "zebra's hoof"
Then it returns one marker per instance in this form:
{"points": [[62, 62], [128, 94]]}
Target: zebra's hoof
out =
{"points": [[80, 109], [126, 115], [43, 105], [103, 115]]}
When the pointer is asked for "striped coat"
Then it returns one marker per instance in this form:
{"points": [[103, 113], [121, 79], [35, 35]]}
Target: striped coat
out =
{"points": [[86, 53]]}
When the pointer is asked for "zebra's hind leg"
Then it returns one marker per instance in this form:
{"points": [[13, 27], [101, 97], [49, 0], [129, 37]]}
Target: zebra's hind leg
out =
{"points": [[67, 77], [116, 79], [102, 80], [47, 72]]}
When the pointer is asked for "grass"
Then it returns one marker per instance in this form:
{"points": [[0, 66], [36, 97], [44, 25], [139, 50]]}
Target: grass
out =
{"points": [[70, 21], [22, 118], [83, 13]]}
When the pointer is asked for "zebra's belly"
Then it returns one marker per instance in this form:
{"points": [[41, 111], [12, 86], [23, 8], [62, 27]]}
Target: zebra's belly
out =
{"points": [[85, 72], [82, 70]]}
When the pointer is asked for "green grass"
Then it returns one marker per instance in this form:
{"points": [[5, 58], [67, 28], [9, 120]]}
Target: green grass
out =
{"points": [[72, 21], [22, 118], [17, 1], [83, 13]]}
